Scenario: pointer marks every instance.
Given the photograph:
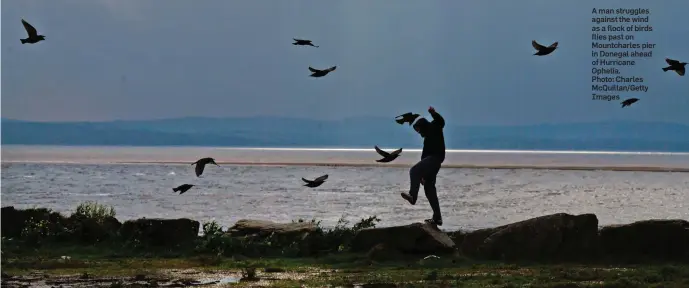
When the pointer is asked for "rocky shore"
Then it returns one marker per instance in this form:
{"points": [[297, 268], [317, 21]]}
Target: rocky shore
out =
{"points": [[552, 238]]}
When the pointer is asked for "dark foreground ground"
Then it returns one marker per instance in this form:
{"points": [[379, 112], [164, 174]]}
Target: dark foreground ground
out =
{"points": [[91, 248], [99, 267]]}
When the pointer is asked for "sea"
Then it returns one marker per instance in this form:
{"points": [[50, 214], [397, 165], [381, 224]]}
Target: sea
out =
{"points": [[477, 188]]}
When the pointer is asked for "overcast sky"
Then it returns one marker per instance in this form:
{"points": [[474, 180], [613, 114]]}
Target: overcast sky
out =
{"points": [[472, 60]]}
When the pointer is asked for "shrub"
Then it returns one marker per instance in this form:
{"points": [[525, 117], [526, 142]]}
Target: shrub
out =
{"points": [[92, 223], [93, 210]]}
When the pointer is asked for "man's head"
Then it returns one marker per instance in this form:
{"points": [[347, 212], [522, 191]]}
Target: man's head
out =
{"points": [[421, 126]]}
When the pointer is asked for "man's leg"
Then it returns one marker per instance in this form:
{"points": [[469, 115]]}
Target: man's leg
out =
{"points": [[432, 193], [415, 174], [432, 196]]}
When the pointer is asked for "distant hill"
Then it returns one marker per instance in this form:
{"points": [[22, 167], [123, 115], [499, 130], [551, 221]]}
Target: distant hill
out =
{"points": [[355, 132]]}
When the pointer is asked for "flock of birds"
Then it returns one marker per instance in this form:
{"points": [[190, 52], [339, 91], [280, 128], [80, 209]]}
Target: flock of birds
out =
{"points": [[541, 50], [34, 37], [678, 67], [387, 157]]}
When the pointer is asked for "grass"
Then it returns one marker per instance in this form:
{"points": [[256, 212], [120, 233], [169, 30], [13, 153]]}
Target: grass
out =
{"points": [[347, 269]]}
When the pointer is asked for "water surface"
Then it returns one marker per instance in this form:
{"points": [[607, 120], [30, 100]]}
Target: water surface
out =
{"points": [[470, 198]]}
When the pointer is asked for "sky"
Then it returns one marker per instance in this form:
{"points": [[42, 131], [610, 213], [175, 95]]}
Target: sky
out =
{"points": [[471, 60]]}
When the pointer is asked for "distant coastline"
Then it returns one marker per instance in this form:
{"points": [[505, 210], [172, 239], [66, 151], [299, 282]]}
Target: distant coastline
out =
{"points": [[348, 157], [354, 149], [363, 132]]}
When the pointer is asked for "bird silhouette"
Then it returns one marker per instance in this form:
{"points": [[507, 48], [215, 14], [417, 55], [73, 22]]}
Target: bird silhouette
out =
{"points": [[629, 101], [33, 34], [303, 42], [316, 182], [388, 157], [676, 66], [407, 117], [321, 73], [201, 164], [542, 50], [182, 188]]}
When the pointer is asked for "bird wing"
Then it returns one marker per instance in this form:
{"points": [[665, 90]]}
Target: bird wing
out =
{"points": [[396, 152], [553, 45], [680, 71], [199, 168], [536, 45], [307, 181], [405, 115], [297, 40], [29, 29], [331, 69], [381, 152], [671, 62], [321, 179], [314, 70]]}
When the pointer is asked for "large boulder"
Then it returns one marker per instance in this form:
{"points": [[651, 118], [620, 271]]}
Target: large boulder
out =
{"points": [[471, 241], [262, 228], [647, 240], [414, 238], [90, 230], [547, 238], [161, 232], [302, 236]]}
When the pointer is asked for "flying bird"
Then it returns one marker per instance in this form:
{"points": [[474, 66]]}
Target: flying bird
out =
{"points": [[201, 164], [33, 34], [182, 188], [676, 66], [321, 73], [629, 101], [542, 50], [316, 182], [388, 157], [407, 117], [303, 42]]}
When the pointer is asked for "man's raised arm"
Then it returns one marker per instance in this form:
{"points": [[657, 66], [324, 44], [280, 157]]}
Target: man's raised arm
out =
{"points": [[437, 119]]}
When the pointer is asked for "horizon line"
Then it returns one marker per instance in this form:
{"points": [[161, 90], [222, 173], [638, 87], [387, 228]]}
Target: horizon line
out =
{"points": [[345, 149], [618, 168], [333, 120]]}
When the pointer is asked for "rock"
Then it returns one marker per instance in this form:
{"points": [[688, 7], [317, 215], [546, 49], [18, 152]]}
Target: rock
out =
{"points": [[413, 239], [647, 240], [472, 240], [262, 228], [457, 237], [547, 238], [161, 232], [90, 230], [303, 234]]}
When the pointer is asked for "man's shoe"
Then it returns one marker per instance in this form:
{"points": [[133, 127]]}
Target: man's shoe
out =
{"points": [[437, 222], [408, 197]]}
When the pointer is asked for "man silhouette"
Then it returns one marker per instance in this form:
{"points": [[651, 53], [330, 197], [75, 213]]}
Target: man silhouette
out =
{"points": [[426, 170]]}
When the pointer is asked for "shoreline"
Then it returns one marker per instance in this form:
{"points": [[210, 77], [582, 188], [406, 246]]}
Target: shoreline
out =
{"points": [[618, 168]]}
